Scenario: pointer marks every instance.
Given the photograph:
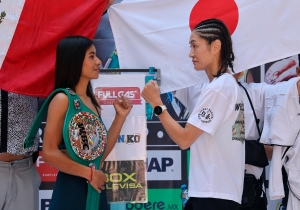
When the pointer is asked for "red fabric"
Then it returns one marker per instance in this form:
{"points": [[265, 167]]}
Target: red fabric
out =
{"points": [[28, 67]]}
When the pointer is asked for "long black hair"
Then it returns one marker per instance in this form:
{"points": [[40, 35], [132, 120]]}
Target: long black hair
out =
{"points": [[70, 54], [211, 30]]}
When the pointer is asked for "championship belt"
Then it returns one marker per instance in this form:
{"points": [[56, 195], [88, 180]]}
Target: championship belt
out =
{"points": [[84, 134]]}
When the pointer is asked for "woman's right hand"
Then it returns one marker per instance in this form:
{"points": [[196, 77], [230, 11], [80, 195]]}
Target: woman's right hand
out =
{"points": [[122, 106], [98, 180]]}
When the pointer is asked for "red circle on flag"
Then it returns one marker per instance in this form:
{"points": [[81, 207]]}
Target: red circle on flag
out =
{"points": [[225, 10]]}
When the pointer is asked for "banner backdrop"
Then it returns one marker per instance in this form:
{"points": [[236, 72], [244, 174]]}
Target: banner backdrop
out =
{"points": [[125, 167], [162, 29]]}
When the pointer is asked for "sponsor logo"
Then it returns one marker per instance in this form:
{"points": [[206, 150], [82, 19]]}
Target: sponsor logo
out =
{"points": [[164, 165], [205, 115], [121, 181], [47, 172], [127, 178], [151, 205], [107, 95], [159, 167], [129, 139]]}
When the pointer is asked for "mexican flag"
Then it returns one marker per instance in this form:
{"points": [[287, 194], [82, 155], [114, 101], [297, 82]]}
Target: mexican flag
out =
{"points": [[29, 33]]}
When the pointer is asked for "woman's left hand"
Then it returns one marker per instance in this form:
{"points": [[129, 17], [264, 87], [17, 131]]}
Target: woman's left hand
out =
{"points": [[122, 106]]}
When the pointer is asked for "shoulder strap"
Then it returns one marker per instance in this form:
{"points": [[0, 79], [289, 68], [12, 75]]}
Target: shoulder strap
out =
{"points": [[29, 141], [256, 120], [4, 121]]}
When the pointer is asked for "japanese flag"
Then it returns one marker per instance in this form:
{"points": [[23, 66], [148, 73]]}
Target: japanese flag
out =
{"points": [[156, 33]]}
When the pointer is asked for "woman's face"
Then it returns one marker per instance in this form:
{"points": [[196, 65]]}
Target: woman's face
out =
{"points": [[200, 52], [91, 63]]}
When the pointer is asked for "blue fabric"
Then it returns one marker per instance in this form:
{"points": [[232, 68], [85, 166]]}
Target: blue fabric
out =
{"points": [[70, 193]]}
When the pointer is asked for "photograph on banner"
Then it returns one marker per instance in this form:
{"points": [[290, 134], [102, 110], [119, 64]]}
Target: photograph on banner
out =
{"points": [[126, 181], [281, 70]]}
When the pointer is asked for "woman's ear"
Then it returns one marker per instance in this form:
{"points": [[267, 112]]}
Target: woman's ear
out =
{"points": [[216, 46]]}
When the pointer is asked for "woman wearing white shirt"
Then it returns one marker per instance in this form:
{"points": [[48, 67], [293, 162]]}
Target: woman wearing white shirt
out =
{"points": [[215, 129]]}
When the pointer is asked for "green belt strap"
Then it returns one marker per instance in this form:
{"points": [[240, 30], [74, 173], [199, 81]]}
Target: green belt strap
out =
{"points": [[93, 197]]}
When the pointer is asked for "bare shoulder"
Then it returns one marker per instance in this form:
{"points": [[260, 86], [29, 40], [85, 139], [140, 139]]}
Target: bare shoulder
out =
{"points": [[58, 104], [60, 98]]}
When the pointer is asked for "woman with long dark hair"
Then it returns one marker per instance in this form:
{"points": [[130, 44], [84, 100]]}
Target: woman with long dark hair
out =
{"points": [[214, 131], [73, 126]]}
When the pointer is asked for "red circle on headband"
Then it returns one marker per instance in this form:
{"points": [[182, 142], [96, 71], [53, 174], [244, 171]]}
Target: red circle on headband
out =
{"points": [[225, 10]]}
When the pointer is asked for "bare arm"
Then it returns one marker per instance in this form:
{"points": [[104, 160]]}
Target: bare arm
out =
{"points": [[52, 139], [183, 137], [269, 151]]}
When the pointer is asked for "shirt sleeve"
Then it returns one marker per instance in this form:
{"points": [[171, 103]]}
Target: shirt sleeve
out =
{"points": [[182, 96], [281, 109], [212, 109]]}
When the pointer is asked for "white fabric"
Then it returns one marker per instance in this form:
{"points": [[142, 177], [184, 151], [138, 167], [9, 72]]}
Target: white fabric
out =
{"points": [[293, 202], [281, 128], [13, 9], [217, 161], [189, 96], [156, 33], [256, 93], [276, 190], [292, 167], [281, 113], [146, 34], [291, 163]]}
